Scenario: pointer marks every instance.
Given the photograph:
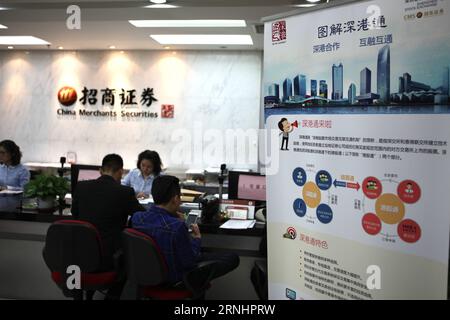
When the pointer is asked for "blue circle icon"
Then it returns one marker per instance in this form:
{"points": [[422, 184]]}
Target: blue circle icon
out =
{"points": [[324, 214], [299, 176], [324, 180], [300, 208]]}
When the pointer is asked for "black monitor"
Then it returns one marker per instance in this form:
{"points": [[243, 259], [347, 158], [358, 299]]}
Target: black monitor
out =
{"points": [[82, 172], [246, 186]]}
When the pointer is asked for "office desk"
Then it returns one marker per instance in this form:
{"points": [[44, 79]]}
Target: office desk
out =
{"points": [[22, 237], [31, 225]]}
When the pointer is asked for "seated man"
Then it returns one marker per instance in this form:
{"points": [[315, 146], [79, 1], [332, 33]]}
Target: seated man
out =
{"points": [[106, 204], [163, 223]]}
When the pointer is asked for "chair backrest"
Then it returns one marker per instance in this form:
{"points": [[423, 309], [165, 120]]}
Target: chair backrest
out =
{"points": [[72, 242], [144, 261]]}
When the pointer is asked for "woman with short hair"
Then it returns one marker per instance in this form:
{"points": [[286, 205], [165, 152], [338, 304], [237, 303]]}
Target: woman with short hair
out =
{"points": [[13, 175], [149, 166]]}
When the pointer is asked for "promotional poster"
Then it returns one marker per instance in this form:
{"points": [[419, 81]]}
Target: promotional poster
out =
{"points": [[359, 95]]}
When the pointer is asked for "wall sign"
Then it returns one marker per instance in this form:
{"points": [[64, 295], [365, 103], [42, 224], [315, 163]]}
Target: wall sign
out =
{"points": [[133, 104]]}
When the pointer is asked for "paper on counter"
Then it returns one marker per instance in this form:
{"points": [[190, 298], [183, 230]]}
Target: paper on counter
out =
{"points": [[238, 224], [146, 200], [11, 191]]}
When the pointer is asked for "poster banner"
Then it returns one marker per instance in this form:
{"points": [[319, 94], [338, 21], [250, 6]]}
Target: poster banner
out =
{"points": [[359, 95]]}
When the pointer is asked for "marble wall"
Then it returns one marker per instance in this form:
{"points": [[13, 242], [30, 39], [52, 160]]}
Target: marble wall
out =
{"points": [[213, 92]]}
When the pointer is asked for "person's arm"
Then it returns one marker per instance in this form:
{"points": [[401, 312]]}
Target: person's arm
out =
{"points": [[133, 203], [127, 180], [23, 175], [188, 249], [196, 239], [142, 195]]}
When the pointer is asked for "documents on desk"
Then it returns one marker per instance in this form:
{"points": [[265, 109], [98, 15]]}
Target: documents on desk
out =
{"points": [[238, 224], [190, 195], [193, 205], [146, 200], [5, 192]]}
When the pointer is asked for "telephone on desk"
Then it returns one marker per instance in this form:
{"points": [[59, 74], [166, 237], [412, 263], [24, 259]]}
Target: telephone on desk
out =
{"points": [[233, 209], [210, 209]]}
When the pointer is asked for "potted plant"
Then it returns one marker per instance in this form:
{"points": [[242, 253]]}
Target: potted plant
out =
{"points": [[46, 188]]}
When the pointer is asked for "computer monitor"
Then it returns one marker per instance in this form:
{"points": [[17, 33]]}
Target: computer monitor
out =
{"points": [[246, 186], [82, 172]]}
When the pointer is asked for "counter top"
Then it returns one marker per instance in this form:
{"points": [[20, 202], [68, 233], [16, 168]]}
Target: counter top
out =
{"points": [[11, 209]]}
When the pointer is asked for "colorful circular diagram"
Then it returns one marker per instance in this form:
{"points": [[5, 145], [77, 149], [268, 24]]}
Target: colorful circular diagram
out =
{"points": [[324, 213], [300, 208], [371, 224], [409, 191], [409, 231], [299, 177], [389, 208], [372, 187], [324, 180], [311, 195]]}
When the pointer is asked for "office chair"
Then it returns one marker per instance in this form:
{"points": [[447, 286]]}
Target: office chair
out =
{"points": [[71, 242], [147, 269]]}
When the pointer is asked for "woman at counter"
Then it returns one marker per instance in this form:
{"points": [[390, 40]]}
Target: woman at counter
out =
{"points": [[149, 166], [13, 175]]}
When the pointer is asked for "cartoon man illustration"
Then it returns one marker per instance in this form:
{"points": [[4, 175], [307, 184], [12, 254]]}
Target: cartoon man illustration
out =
{"points": [[409, 188], [286, 128], [372, 185], [323, 178]]}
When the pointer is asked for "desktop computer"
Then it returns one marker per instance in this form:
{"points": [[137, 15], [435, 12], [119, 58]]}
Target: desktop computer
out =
{"points": [[82, 172]]}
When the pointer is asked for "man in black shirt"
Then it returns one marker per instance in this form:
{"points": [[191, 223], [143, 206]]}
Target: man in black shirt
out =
{"points": [[106, 204]]}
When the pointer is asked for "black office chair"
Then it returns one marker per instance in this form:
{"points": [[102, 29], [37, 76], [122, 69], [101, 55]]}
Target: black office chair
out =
{"points": [[147, 269], [72, 242]]}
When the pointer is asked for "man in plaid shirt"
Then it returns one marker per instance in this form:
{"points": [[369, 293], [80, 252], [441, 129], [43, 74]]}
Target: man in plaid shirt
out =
{"points": [[167, 227]]}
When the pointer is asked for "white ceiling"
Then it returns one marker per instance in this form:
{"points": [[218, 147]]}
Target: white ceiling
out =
{"points": [[105, 22]]}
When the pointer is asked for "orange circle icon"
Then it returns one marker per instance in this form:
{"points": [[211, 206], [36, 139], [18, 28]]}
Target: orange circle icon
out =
{"points": [[311, 195], [67, 96], [390, 209]]}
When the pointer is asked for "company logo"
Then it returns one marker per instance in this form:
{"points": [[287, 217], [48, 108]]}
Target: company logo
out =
{"points": [[291, 294], [279, 31], [291, 233], [67, 96], [427, 13], [167, 110]]}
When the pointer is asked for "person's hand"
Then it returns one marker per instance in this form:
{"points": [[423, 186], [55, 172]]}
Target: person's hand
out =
{"points": [[181, 216], [195, 231], [142, 195]]}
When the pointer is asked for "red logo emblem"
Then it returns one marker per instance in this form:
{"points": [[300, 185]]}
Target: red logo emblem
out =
{"points": [[291, 233], [67, 96], [167, 110], [279, 31]]}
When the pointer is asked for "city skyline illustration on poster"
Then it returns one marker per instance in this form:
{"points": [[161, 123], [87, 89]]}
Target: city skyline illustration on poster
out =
{"points": [[368, 54], [359, 96]]}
